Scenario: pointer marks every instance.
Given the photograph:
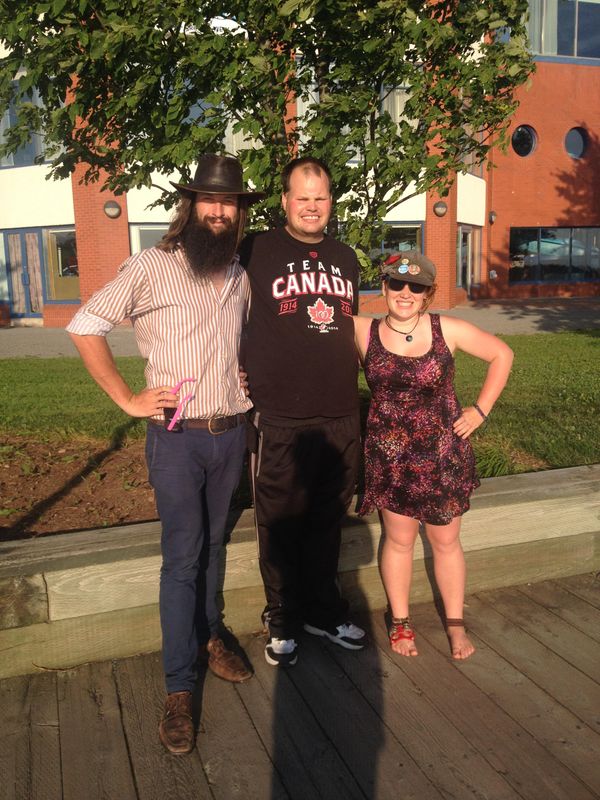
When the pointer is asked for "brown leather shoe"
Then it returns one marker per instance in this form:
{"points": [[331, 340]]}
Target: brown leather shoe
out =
{"points": [[176, 729], [224, 663]]}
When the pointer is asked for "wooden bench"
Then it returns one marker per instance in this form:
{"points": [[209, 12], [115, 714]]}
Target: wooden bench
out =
{"points": [[92, 595]]}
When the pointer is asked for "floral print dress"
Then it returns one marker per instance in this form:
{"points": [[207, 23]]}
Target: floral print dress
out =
{"points": [[415, 464]]}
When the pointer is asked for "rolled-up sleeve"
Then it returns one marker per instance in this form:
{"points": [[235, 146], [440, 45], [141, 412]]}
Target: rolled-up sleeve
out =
{"points": [[127, 296]]}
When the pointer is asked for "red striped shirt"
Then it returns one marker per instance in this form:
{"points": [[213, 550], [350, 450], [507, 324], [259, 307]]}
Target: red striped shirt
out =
{"points": [[183, 326]]}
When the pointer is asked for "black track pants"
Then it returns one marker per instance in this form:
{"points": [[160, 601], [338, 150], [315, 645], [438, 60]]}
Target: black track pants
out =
{"points": [[304, 476]]}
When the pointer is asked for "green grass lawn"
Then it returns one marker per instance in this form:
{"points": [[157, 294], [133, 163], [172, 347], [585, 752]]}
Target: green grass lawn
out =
{"points": [[548, 416]]}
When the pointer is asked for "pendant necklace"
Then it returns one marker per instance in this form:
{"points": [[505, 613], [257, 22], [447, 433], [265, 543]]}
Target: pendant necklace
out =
{"points": [[407, 334]]}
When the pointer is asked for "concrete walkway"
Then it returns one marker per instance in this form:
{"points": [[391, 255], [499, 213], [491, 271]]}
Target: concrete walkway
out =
{"points": [[495, 316]]}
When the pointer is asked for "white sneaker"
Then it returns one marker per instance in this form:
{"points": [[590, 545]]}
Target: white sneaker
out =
{"points": [[347, 635], [281, 652]]}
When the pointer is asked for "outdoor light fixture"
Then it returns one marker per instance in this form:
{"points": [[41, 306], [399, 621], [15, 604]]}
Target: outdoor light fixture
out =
{"points": [[440, 208], [112, 209], [492, 217]]}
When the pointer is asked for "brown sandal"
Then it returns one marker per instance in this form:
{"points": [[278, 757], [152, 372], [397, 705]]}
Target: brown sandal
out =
{"points": [[400, 629], [456, 623]]}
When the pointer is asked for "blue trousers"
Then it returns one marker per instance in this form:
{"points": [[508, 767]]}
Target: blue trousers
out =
{"points": [[193, 474]]}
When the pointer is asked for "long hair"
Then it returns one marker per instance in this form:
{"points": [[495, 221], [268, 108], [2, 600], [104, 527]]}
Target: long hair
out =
{"points": [[181, 217], [183, 212]]}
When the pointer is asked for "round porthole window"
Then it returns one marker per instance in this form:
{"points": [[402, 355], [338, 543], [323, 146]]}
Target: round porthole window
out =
{"points": [[524, 140], [576, 142]]}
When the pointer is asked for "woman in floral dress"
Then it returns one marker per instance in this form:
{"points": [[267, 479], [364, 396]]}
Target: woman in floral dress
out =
{"points": [[419, 464]]}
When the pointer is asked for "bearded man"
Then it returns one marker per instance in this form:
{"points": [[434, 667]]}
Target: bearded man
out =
{"points": [[187, 299]]}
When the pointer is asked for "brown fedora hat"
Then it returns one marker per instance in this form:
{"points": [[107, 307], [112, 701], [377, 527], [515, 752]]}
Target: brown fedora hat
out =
{"points": [[218, 175]]}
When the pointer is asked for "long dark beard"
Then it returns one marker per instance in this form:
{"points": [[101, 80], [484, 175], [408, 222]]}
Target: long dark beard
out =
{"points": [[208, 252]]}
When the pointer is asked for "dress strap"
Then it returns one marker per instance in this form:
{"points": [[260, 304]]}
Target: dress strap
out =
{"points": [[373, 322], [436, 328], [438, 343]]}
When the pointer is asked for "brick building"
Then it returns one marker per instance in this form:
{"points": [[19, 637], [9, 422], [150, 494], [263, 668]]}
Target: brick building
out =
{"points": [[529, 227]]}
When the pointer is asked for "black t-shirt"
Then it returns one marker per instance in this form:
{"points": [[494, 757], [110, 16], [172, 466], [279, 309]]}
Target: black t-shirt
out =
{"points": [[298, 346]]}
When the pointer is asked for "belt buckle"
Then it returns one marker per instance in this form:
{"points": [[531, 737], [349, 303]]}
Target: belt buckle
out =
{"points": [[210, 430]]}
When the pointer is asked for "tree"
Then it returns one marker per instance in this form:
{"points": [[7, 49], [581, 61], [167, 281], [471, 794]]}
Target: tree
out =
{"points": [[144, 87]]}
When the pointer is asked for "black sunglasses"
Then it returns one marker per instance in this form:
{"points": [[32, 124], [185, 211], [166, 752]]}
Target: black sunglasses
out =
{"points": [[396, 285]]}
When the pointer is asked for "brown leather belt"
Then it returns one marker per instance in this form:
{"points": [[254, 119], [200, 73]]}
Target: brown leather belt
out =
{"points": [[214, 425]]}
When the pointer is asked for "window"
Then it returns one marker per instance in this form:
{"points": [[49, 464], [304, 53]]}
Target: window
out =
{"points": [[576, 142], [553, 255], [565, 28], [397, 237], [468, 256], [403, 237], [524, 140], [62, 270], [34, 149], [470, 164], [144, 236]]}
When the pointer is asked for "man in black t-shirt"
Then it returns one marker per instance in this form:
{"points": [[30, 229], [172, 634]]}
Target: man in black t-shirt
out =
{"points": [[302, 367]]}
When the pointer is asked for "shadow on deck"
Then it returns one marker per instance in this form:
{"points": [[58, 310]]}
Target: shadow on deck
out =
{"points": [[518, 720]]}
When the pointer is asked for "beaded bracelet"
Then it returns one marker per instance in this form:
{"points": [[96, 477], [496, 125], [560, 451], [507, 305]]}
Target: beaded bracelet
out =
{"points": [[480, 412]]}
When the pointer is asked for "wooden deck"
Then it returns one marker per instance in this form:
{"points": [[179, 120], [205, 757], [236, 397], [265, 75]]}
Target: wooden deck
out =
{"points": [[521, 719]]}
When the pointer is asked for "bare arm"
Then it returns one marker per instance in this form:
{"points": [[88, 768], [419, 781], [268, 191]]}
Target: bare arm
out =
{"points": [[362, 326], [463, 336], [99, 362]]}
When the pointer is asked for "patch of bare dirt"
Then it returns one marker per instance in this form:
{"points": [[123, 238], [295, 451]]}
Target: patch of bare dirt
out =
{"points": [[47, 487]]}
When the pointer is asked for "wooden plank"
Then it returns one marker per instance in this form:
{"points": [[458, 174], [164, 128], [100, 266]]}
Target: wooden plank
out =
{"points": [[559, 731], [564, 604], [69, 642], [30, 766], [79, 549], [586, 586], [534, 561], [565, 683], [158, 774], [515, 754], [100, 588], [22, 601], [570, 644], [545, 520], [306, 761], [232, 753], [45, 765], [242, 608], [98, 546], [567, 482], [364, 590], [15, 778], [94, 755], [381, 765], [440, 750]]}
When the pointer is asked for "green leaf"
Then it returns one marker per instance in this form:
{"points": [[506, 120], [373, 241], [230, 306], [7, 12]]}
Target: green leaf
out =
{"points": [[371, 45], [288, 7]]}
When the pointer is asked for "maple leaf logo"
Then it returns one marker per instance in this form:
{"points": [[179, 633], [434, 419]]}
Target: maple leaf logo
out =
{"points": [[320, 313]]}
